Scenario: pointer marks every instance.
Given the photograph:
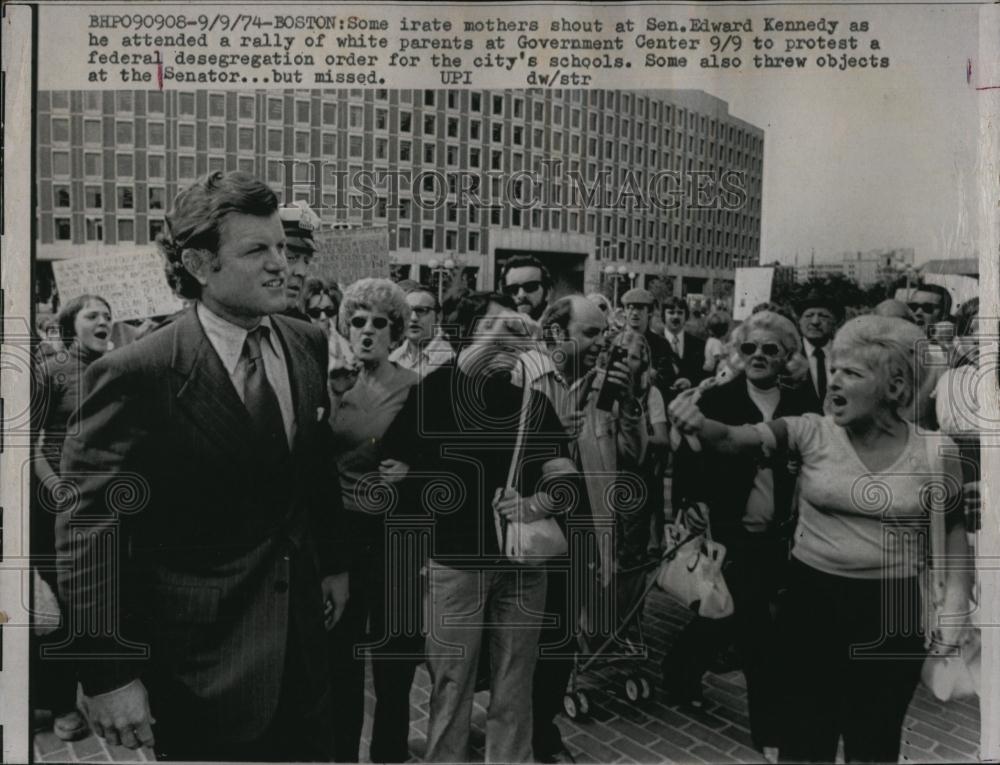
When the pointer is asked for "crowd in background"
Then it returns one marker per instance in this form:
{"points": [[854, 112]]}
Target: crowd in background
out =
{"points": [[461, 417]]}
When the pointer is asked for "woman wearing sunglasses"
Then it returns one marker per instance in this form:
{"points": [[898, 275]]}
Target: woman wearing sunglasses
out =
{"points": [[373, 315], [749, 507], [850, 630]]}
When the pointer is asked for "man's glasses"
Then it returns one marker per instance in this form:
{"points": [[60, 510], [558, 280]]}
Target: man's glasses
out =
{"points": [[530, 288], [637, 307], [421, 310], [360, 322], [773, 350], [316, 313], [923, 307]]}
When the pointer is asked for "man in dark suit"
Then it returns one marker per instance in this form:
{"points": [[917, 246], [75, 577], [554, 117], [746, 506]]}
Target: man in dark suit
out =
{"points": [[689, 351], [819, 318], [197, 601]]}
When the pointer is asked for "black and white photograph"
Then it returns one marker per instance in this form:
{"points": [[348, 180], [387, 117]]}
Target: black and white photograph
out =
{"points": [[500, 383]]}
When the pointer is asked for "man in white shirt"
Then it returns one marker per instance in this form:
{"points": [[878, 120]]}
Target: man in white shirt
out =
{"points": [[819, 318], [422, 350]]}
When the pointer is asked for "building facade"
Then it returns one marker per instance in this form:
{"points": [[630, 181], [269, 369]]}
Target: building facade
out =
{"points": [[585, 179]]}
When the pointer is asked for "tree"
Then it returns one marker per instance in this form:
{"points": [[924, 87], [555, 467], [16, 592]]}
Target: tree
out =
{"points": [[838, 288]]}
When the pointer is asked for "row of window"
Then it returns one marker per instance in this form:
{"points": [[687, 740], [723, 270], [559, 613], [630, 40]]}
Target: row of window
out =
{"points": [[615, 122], [429, 239], [519, 136], [125, 165], [93, 229], [93, 197]]}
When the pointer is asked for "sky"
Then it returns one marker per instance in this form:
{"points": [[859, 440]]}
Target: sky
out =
{"points": [[864, 160]]}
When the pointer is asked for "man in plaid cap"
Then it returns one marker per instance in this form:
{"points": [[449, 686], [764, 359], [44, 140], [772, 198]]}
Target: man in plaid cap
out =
{"points": [[299, 222]]}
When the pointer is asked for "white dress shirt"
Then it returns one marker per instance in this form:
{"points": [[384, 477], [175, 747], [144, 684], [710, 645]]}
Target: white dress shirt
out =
{"points": [[676, 342], [228, 339]]}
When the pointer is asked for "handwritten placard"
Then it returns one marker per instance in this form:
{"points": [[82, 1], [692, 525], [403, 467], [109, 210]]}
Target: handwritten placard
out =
{"points": [[344, 256], [133, 283]]}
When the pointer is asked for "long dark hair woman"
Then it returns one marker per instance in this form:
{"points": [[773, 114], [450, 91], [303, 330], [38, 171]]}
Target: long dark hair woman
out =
{"points": [[85, 329]]}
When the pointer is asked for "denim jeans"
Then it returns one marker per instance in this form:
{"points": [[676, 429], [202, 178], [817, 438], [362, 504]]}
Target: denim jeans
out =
{"points": [[464, 605]]}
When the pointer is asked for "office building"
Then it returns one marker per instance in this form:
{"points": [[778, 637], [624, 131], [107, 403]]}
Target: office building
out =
{"points": [[110, 162]]}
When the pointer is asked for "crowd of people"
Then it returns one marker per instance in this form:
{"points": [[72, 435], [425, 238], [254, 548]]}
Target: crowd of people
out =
{"points": [[290, 481]]}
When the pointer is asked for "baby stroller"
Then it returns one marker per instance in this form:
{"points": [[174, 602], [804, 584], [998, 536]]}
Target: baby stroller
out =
{"points": [[611, 618]]}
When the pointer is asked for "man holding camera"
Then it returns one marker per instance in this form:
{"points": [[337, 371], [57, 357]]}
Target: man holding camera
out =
{"points": [[575, 331]]}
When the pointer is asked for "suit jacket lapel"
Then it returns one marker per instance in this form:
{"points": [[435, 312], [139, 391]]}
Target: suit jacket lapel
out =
{"points": [[202, 388], [302, 377]]}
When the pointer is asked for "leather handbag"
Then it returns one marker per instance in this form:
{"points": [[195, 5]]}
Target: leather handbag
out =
{"points": [[693, 574], [538, 541]]}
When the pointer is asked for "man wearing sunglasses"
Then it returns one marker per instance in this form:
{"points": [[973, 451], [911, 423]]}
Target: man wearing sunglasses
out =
{"points": [[422, 350], [819, 318], [526, 281], [299, 221], [930, 304]]}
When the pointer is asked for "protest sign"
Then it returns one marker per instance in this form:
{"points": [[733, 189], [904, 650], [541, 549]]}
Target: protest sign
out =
{"points": [[753, 286], [133, 284], [344, 256]]}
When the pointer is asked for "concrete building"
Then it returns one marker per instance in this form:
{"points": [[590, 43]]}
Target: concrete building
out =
{"points": [[586, 164]]}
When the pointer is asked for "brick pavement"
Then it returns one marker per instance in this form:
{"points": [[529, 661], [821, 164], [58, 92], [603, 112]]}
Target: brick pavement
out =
{"points": [[619, 731]]}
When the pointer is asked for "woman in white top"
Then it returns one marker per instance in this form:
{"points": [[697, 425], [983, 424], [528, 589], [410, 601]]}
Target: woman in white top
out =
{"points": [[850, 626]]}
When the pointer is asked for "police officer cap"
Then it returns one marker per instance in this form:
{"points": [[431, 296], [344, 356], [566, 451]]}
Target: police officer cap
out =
{"points": [[299, 222]]}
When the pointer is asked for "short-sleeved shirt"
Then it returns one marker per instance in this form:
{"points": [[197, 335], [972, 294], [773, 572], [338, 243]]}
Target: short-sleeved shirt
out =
{"points": [[853, 522], [714, 349], [656, 412], [457, 434]]}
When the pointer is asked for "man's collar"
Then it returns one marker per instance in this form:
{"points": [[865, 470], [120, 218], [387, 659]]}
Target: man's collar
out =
{"points": [[227, 338], [811, 347]]}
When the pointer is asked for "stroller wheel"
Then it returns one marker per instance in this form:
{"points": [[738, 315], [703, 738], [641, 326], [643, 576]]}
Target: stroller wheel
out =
{"points": [[632, 690], [582, 703], [570, 707], [645, 689]]}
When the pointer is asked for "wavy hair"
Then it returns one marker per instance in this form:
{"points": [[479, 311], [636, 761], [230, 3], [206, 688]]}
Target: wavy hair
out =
{"points": [[890, 347], [195, 221], [382, 295], [796, 365]]}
